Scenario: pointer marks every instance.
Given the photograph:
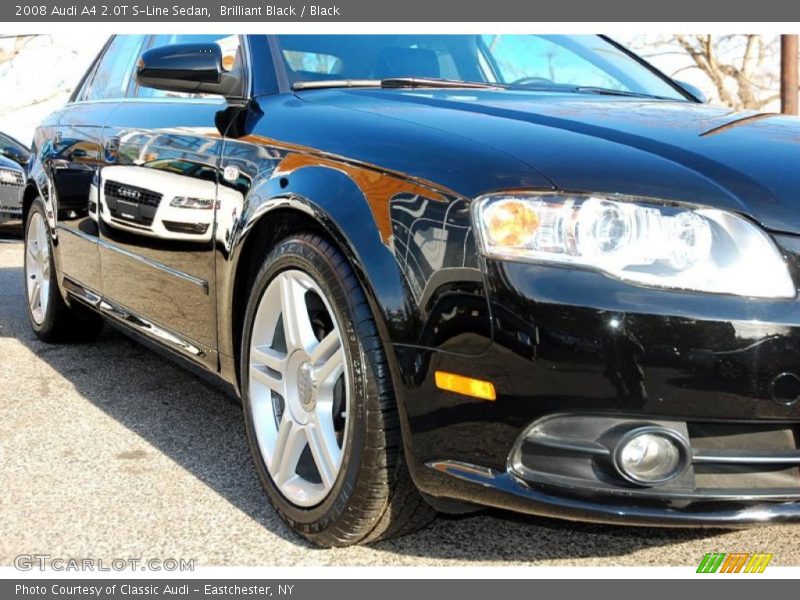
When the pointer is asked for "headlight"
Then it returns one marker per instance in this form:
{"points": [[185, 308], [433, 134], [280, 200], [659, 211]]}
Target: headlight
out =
{"points": [[189, 202], [636, 240], [10, 177]]}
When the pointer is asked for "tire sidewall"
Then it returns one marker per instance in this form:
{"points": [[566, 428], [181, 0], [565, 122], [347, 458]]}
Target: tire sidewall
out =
{"points": [[297, 254]]}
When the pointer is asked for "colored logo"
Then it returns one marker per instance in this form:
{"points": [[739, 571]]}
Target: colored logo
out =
{"points": [[737, 562]]}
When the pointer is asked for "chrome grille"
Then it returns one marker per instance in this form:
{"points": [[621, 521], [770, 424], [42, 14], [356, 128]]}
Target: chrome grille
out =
{"points": [[131, 193], [11, 177]]}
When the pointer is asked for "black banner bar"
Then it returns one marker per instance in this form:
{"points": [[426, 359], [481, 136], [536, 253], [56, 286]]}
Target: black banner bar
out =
{"points": [[406, 10], [733, 588]]}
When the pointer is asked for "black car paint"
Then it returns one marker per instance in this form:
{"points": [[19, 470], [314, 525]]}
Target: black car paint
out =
{"points": [[390, 176]]}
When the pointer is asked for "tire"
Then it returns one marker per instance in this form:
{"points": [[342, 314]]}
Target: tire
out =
{"points": [[361, 491], [50, 317]]}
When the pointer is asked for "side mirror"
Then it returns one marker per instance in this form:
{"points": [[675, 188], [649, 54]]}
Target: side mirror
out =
{"points": [[694, 91], [193, 68]]}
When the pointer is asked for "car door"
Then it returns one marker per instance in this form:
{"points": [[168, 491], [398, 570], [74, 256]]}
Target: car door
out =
{"points": [[158, 194], [76, 152]]}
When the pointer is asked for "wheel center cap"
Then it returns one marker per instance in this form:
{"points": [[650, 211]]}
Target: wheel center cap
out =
{"points": [[305, 386]]}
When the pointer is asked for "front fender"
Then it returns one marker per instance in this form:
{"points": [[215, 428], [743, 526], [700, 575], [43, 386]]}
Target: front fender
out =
{"points": [[333, 200], [400, 237]]}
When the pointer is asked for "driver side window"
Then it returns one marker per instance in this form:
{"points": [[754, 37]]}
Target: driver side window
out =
{"points": [[114, 72]]}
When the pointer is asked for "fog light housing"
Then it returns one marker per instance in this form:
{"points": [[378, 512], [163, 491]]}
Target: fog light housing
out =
{"points": [[650, 456]]}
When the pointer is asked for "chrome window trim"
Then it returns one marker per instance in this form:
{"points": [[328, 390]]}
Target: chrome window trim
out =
{"points": [[211, 100], [88, 77]]}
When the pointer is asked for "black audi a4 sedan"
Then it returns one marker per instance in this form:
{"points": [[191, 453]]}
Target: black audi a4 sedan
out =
{"points": [[441, 272]]}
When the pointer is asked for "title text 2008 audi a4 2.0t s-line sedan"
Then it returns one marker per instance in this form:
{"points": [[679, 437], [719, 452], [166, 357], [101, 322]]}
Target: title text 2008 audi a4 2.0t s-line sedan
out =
{"points": [[442, 272]]}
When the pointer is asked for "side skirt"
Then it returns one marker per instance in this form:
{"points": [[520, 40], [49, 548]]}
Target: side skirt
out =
{"points": [[198, 360]]}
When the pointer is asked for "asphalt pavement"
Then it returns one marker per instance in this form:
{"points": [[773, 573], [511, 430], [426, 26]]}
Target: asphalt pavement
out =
{"points": [[108, 450]]}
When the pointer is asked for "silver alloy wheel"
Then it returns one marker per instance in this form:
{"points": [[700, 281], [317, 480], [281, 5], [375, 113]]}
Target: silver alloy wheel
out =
{"points": [[299, 387], [37, 267]]}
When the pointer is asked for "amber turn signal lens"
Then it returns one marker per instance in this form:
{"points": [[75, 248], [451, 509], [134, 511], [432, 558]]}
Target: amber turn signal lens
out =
{"points": [[511, 223], [465, 385]]}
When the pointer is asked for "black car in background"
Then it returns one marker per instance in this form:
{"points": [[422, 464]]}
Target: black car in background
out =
{"points": [[14, 158], [15, 150], [12, 185], [441, 272]]}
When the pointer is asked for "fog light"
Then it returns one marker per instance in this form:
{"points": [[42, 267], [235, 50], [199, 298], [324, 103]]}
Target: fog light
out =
{"points": [[651, 455]]}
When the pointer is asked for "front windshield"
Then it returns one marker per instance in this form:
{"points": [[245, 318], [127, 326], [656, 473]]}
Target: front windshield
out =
{"points": [[537, 62]]}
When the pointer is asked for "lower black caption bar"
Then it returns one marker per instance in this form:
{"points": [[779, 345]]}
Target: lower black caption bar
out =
{"points": [[390, 589]]}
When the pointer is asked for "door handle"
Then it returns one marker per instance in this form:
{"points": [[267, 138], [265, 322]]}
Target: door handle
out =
{"points": [[111, 149], [230, 173]]}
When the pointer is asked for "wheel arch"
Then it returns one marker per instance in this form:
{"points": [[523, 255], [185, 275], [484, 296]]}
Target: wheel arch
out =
{"points": [[327, 202], [28, 196], [38, 185], [31, 192]]}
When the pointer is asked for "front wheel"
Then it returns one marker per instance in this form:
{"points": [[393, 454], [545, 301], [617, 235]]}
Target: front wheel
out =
{"points": [[319, 409]]}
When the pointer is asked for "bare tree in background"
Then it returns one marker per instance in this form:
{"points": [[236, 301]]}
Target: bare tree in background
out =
{"points": [[12, 45], [743, 69]]}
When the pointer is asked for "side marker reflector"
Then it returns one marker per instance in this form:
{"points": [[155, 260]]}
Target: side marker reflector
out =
{"points": [[465, 385]]}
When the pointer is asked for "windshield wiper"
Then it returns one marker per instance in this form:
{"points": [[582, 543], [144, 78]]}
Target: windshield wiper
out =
{"points": [[336, 83], [582, 89], [588, 89], [433, 82], [392, 83]]}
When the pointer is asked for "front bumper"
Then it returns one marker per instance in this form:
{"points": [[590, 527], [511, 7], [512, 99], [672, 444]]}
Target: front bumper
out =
{"points": [[574, 342], [501, 489]]}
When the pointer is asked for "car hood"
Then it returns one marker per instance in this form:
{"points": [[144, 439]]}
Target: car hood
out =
{"points": [[7, 163], [741, 161]]}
